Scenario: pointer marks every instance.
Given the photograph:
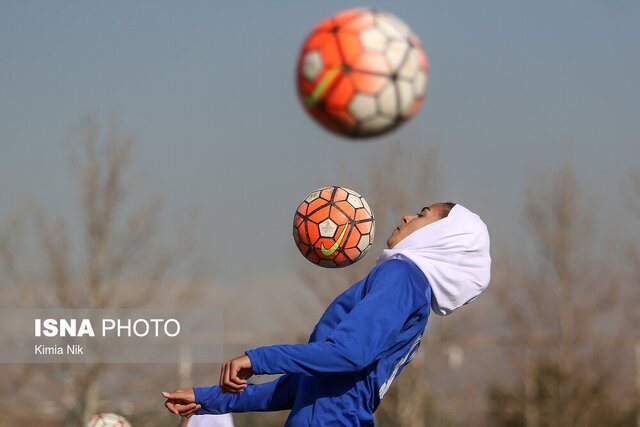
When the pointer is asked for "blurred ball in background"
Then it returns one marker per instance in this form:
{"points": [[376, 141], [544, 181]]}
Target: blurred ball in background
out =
{"points": [[362, 73]]}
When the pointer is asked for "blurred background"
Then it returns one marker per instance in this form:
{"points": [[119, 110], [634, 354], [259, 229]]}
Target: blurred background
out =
{"points": [[153, 155]]}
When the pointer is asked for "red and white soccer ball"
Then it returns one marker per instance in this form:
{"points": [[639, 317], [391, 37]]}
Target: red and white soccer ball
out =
{"points": [[104, 419], [362, 73], [333, 227]]}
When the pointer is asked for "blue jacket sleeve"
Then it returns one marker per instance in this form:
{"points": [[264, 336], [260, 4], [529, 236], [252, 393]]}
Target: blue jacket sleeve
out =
{"points": [[396, 292], [276, 395]]}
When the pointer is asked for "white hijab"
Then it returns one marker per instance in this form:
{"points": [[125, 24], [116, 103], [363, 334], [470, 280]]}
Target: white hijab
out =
{"points": [[453, 253]]}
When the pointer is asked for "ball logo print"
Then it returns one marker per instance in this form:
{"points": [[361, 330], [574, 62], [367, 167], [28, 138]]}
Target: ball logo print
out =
{"points": [[362, 73], [332, 249], [333, 227]]}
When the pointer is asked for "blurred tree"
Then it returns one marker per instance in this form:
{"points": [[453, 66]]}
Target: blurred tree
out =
{"points": [[121, 265], [508, 409], [634, 247], [634, 299], [562, 314]]}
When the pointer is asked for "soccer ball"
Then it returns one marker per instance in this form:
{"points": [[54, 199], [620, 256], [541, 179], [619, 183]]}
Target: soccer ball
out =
{"points": [[333, 227], [362, 73], [108, 420]]}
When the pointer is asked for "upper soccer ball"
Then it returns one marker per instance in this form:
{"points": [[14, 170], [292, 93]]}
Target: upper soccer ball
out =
{"points": [[333, 227], [107, 420], [362, 73]]}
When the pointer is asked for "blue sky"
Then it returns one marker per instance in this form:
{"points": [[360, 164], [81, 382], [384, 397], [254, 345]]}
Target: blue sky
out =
{"points": [[207, 89]]}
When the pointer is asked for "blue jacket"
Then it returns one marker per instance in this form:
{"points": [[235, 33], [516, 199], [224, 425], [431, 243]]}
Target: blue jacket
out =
{"points": [[359, 346]]}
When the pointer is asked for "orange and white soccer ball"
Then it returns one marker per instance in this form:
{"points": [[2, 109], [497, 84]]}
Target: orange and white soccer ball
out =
{"points": [[362, 73], [105, 419], [333, 227]]}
